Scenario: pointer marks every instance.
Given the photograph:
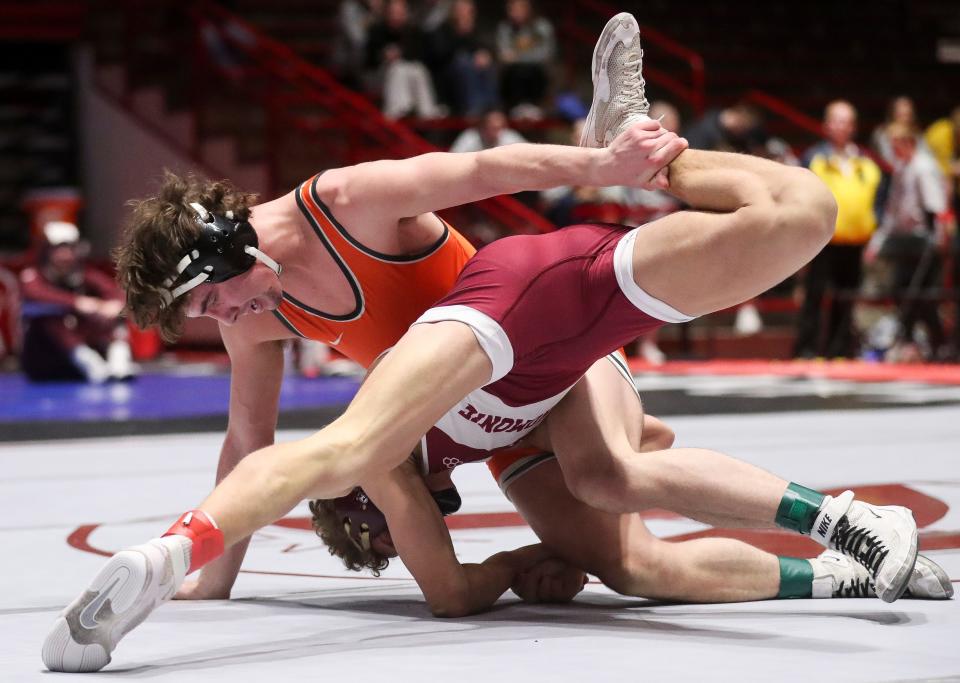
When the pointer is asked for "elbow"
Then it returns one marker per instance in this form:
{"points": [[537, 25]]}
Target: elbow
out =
{"points": [[452, 603], [450, 608]]}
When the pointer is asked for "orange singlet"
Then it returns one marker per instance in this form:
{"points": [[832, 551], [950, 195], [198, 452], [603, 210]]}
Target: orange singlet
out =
{"points": [[390, 291]]}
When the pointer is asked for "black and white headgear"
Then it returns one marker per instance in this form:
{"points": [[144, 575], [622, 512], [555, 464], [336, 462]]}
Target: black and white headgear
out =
{"points": [[226, 247]]}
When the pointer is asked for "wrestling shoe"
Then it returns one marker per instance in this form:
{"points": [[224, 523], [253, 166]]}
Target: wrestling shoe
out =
{"points": [[881, 538], [837, 576], [618, 86], [132, 584]]}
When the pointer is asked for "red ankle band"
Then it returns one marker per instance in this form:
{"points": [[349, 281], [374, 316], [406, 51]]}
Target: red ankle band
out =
{"points": [[206, 536]]}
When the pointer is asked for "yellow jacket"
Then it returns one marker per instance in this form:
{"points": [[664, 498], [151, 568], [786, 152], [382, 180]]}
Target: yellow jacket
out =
{"points": [[942, 141], [853, 180]]}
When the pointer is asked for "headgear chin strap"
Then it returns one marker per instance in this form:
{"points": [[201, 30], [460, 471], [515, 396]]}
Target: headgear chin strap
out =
{"points": [[363, 521], [225, 248]]}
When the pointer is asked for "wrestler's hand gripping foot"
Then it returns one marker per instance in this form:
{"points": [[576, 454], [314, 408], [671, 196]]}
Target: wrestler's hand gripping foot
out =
{"points": [[132, 584]]}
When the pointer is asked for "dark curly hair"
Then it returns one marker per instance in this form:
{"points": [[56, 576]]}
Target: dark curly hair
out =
{"points": [[158, 233], [329, 527]]}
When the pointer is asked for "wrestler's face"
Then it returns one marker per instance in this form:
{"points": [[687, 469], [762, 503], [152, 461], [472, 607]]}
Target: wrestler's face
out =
{"points": [[250, 293]]}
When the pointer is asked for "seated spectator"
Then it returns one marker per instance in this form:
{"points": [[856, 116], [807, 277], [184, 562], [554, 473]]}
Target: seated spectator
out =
{"points": [[731, 129], [492, 131], [462, 63], [354, 20], [902, 112], [525, 47], [395, 48], [74, 329], [854, 179], [908, 236]]}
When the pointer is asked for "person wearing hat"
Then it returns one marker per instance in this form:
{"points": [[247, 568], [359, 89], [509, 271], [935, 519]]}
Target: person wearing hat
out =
{"points": [[72, 314]]}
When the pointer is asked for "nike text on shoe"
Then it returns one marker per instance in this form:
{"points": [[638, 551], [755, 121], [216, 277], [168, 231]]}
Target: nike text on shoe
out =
{"points": [[882, 539], [837, 576], [618, 86], [130, 586]]}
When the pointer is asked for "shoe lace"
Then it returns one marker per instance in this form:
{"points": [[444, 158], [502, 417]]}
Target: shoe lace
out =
{"points": [[860, 544], [856, 588], [633, 81]]}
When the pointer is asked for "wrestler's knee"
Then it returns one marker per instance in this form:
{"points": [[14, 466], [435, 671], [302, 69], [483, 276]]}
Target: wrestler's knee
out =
{"points": [[638, 572], [810, 206]]}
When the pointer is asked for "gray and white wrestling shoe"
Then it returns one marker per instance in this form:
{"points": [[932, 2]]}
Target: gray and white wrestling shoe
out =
{"points": [[837, 576], [132, 584], [881, 538], [619, 97]]}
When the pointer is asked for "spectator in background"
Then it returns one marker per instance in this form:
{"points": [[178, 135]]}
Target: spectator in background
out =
{"points": [[74, 330], [355, 19], [909, 238], [462, 63], [431, 14], [732, 129], [901, 112], [525, 47], [943, 139], [395, 48], [853, 178], [492, 131]]}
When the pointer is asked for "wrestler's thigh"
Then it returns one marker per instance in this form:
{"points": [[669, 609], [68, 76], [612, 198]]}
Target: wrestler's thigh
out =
{"points": [[598, 542], [601, 415], [699, 262]]}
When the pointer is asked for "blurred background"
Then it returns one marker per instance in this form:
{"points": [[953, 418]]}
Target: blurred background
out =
{"points": [[96, 98]]}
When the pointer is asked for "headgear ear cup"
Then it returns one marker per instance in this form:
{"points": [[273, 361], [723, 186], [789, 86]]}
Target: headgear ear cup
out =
{"points": [[224, 249]]}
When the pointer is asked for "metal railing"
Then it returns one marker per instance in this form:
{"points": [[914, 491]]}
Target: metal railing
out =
{"points": [[303, 113]]}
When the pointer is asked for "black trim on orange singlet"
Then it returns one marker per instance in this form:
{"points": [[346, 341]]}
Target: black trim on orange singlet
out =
{"points": [[289, 325], [354, 285], [390, 258]]}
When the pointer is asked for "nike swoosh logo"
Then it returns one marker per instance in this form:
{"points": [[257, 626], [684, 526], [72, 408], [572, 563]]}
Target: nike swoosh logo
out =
{"points": [[335, 342], [88, 617]]}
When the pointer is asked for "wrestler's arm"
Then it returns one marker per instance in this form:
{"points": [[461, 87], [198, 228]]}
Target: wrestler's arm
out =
{"points": [[431, 368], [256, 373], [420, 536], [393, 189]]}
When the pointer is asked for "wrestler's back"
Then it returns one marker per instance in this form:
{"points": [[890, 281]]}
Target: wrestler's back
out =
{"points": [[351, 283]]}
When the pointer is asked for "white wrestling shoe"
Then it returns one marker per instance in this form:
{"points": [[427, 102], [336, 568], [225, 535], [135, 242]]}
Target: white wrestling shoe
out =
{"points": [[881, 538], [132, 584], [837, 576], [619, 98]]}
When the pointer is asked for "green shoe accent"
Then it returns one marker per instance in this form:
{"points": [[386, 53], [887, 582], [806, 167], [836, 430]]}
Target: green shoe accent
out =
{"points": [[799, 508], [796, 578]]}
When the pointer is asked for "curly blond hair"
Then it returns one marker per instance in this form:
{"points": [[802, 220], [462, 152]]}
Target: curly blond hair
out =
{"points": [[159, 231], [329, 527]]}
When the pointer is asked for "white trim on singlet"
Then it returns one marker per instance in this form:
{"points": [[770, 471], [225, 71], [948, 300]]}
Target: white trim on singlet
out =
{"points": [[493, 340], [623, 267]]}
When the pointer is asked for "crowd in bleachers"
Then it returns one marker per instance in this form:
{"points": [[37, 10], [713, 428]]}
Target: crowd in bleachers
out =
{"points": [[432, 58]]}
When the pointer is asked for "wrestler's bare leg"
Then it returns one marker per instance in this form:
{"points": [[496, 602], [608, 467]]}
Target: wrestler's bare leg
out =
{"points": [[625, 556], [618, 548], [755, 223]]}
